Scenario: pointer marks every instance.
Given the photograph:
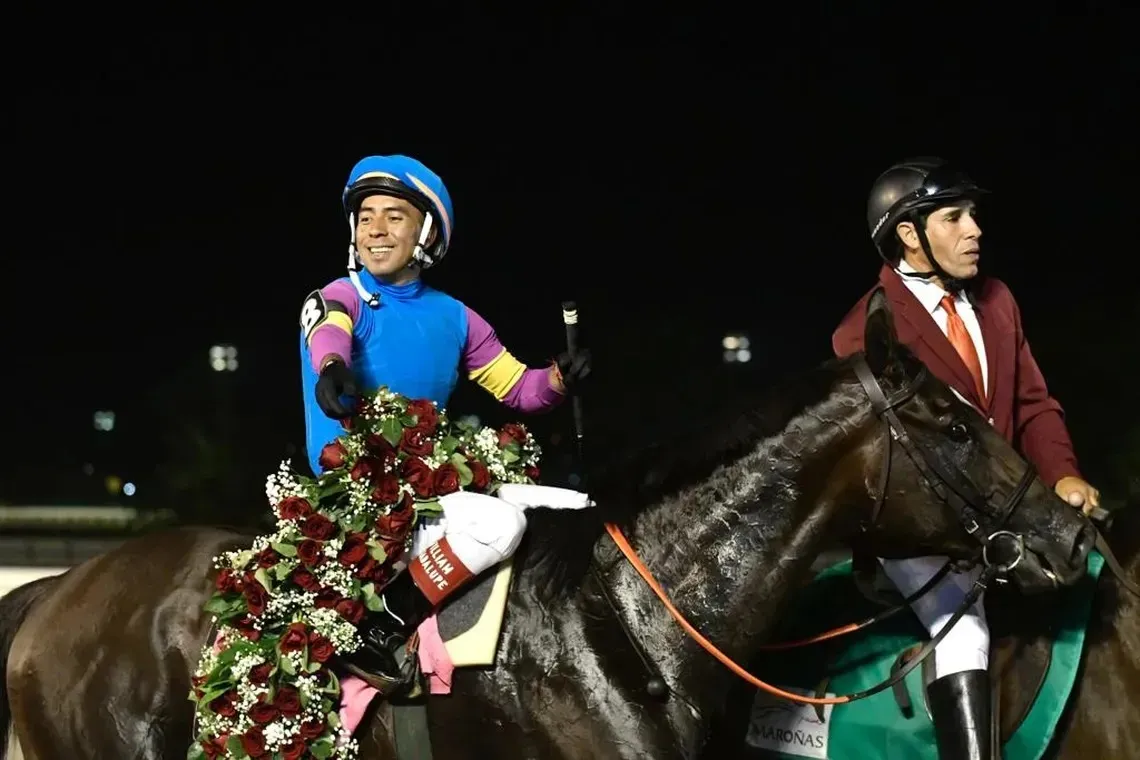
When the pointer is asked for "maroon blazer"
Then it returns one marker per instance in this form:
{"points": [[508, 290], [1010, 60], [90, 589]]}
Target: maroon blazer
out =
{"points": [[1019, 402]]}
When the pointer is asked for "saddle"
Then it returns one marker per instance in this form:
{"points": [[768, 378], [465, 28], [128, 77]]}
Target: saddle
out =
{"points": [[1036, 652]]}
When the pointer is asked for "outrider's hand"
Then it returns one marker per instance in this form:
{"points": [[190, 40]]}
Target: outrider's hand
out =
{"points": [[336, 380]]}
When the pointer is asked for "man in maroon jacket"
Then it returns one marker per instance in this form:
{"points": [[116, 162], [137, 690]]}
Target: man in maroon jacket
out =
{"points": [[967, 330]]}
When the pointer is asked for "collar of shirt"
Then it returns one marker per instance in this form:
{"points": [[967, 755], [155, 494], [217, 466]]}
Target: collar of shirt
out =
{"points": [[928, 294]]}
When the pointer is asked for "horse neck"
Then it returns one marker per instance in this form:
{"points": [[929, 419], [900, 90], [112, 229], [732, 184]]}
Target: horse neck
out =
{"points": [[729, 550]]}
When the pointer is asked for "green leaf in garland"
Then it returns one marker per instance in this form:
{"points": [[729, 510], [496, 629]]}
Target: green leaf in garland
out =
{"points": [[357, 523], [376, 551], [448, 445], [322, 748], [371, 599], [282, 569], [242, 559], [429, 507], [409, 420], [234, 748], [217, 605], [285, 550], [195, 752], [331, 489], [313, 667], [334, 720], [459, 462], [391, 430], [263, 578], [287, 666], [509, 456]]}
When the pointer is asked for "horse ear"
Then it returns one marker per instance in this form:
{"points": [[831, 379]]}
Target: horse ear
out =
{"points": [[880, 343]]}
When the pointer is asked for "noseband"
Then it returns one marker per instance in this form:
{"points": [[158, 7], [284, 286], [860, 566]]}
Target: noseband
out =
{"points": [[972, 508]]}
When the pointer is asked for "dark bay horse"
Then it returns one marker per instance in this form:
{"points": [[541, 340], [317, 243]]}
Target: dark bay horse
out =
{"points": [[98, 660]]}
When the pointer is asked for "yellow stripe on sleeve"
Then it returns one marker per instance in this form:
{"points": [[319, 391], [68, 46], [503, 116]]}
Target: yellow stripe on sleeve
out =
{"points": [[499, 375]]}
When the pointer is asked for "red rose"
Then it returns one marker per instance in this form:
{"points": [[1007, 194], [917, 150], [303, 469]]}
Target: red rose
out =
{"points": [[445, 480], [224, 705], [310, 552], [415, 442], [256, 597], [320, 648], [305, 580], [398, 521], [512, 432], [226, 581], [267, 557], [259, 676], [312, 729], [417, 475], [244, 624], [319, 527], [294, 749], [365, 469], [427, 418], [288, 701], [333, 455], [353, 551], [532, 472], [294, 508], [253, 742], [365, 569], [295, 638], [262, 713], [215, 748], [480, 476], [387, 489], [327, 598], [393, 548], [351, 610]]}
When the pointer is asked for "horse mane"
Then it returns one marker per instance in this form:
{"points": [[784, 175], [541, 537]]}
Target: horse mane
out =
{"points": [[559, 543]]}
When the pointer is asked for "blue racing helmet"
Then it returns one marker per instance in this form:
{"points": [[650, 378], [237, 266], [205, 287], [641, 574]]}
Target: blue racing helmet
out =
{"points": [[406, 178]]}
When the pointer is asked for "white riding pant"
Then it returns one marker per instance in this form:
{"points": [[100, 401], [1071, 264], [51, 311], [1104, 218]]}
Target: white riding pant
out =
{"points": [[967, 645], [484, 530]]}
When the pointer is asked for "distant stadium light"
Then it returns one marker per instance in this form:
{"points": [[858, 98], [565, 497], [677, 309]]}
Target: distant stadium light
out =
{"points": [[736, 348], [223, 358], [104, 420]]}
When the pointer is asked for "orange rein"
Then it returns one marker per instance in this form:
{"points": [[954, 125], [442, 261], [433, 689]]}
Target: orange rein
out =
{"points": [[631, 555]]}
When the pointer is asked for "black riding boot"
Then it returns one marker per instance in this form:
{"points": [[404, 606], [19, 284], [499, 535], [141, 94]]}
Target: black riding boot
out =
{"points": [[960, 709], [382, 661]]}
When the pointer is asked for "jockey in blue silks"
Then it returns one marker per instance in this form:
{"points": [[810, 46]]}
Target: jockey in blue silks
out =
{"points": [[383, 326]]}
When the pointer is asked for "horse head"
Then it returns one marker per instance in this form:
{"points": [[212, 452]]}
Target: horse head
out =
{"points": [[942, 481]]}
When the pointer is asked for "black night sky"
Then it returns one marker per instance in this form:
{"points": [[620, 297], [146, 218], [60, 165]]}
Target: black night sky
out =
{"points": [[174, 183]]}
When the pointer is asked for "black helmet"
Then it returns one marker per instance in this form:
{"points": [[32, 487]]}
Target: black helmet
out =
{"points": [[909, 188]]}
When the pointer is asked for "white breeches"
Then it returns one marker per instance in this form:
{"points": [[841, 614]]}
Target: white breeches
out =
{"points": [[484, 530], [967, 645]]}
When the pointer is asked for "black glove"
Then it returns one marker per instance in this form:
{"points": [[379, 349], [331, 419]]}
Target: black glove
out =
{"points": [[575, 370], [336, 380]]}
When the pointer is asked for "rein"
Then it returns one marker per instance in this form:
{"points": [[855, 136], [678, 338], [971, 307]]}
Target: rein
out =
{"points": [[957, 492]]}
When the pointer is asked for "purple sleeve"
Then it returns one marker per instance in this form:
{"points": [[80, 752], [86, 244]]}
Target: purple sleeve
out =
{"points": [[334, 335], [530, 392]]}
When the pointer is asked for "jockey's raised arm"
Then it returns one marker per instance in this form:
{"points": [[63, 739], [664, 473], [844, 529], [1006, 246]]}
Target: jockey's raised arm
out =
{"points": [[498, 372]]}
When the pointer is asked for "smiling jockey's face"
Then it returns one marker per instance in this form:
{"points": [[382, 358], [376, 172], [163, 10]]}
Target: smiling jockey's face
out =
{"points": [[387, 229]]}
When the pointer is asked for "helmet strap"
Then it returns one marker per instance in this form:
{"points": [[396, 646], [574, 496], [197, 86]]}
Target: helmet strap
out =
{"points": [[951, 283], [420, 254], [372, 299]]}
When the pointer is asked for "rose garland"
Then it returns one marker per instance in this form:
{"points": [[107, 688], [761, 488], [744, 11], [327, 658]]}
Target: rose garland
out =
{"points": [[286, 607]]}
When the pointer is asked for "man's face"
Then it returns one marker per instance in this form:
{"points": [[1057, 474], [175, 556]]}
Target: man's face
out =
{"points": [[954, 235], [387, 229]]}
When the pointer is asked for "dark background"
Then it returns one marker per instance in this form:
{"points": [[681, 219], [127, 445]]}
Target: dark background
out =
{"points": [[174, 183]]}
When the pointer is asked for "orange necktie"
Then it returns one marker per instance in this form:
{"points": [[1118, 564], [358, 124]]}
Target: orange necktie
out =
{"points": [[964, 345]]}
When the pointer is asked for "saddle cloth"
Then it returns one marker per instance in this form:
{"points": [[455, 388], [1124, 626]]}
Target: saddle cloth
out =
{"points": [[875, 726]]}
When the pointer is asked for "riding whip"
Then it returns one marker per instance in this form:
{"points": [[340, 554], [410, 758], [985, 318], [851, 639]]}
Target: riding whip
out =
{"points": [[570, 318]]}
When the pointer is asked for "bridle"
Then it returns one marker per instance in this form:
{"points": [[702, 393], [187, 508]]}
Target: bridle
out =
{"points": [[949, 485], [952, 487]]}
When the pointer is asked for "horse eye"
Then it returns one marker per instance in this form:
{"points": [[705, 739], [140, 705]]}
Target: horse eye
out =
{"points": [[959, 432]]}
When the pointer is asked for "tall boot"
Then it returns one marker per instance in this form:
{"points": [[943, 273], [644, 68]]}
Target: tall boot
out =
{"points": [[960, 709], [382, 661]]}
